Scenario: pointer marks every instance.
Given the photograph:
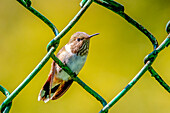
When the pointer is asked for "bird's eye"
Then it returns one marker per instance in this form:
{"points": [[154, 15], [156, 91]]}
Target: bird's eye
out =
{"points": [[78, 39]]}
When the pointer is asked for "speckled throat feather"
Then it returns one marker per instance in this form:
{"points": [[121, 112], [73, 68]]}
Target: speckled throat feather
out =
{"points": [[80, 48]]}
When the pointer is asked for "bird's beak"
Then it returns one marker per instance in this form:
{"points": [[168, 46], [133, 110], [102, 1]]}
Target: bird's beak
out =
{"points": [[92, 35]]}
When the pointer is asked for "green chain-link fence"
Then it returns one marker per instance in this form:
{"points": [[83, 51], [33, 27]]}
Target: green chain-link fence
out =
{"points": [[52, 46]]}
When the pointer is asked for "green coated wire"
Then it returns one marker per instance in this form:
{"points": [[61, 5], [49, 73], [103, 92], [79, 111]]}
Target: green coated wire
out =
{"points": [[159, 79], [67, 69], [8, 106], [127, 88], [167, 28], [91, 91], [46, 58], [119, 9], [82, 3], [153, 72], [138, 76], [27, 5], [51, 47], [70, 24], [28, 78], [80, 82]]}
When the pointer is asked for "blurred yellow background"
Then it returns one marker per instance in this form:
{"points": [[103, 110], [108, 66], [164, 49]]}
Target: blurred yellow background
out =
{"points": [[115, 56]]}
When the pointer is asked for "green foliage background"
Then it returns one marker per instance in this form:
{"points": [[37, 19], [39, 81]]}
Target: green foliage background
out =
{"points": [[115, 57]]}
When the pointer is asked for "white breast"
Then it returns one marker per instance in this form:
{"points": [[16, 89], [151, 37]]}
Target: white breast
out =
{"points": [[74, 62]]}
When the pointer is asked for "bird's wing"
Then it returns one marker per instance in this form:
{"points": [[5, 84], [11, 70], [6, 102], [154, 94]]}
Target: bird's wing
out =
{"points": [[54, 87]]}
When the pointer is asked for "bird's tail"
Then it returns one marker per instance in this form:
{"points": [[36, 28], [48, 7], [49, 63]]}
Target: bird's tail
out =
{"points": [[51, 93]]}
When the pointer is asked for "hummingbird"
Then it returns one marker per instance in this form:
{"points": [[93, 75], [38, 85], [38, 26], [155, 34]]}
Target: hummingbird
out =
{"points": [[74, 55]]}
